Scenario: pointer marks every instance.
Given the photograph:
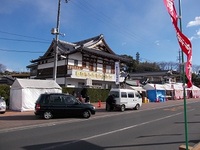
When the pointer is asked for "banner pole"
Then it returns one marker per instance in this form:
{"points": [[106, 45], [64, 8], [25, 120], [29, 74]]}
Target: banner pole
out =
{"points": [[183, 79]]}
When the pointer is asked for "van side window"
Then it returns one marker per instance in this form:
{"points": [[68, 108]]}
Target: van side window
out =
{"points": [[124, 94], [114, 94], [131, 95], [138, 95]]}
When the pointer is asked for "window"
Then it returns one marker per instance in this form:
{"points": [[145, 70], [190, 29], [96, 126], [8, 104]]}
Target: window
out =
{"points": [[56, 99], [108, 69], [84, 64], [99, 67], [43, 99], [130, 94], [75, 62], [69, 99], [87, 65], [94, 67], [114, 94], [124, 94], [138, 95]]}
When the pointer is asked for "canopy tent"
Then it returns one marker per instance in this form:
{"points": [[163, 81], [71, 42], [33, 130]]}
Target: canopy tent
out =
{"points": [[150, 86], [155, 92], [178, 90], [169, 91], [25, 92], [138, 88], [168, 87], [193, 92]]}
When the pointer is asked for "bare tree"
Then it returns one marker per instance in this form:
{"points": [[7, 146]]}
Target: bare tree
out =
{"points": [[195, 69], [168, 65]]}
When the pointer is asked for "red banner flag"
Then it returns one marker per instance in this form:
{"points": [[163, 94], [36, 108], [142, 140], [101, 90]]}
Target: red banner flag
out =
{"points": [[183, 41], [171, 10], [186, 47]]}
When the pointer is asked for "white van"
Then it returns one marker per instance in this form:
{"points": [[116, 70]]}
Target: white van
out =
{"points": [[2, 105], [123, 99]]}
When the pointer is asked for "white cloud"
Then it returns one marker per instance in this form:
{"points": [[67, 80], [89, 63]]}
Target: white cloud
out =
{"points": [[192, 38], [198, 33], [196, 22], [196, 36]]}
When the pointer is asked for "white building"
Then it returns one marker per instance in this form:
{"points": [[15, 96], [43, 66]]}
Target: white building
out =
{"points": [[85, 63]]}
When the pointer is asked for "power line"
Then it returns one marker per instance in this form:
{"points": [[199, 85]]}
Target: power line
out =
{"points": [[9, 50], [20, 40], [23, 36], [100, 16]]}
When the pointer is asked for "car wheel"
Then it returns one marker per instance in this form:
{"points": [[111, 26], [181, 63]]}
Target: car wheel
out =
{"points": [[86, 114], [123, 108], [137, 107], [47, 115]]}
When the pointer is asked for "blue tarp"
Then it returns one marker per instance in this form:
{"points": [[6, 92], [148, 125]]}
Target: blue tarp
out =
{"points": [[156, 95]]}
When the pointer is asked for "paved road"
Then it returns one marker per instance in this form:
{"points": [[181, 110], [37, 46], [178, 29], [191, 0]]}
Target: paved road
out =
{"points": [[154, 126]]}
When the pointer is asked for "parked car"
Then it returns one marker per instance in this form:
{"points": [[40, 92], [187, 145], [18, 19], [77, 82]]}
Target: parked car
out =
{"points": [[123, 99], [2, 105], [50, 105]]}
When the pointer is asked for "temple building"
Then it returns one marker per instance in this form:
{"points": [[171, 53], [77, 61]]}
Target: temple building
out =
{"points": [[89, 62]]}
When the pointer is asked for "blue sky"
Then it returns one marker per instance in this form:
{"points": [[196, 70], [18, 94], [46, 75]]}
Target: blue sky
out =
{"points": [[129, 26]]}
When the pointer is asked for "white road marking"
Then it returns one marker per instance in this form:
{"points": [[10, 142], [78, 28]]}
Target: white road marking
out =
{"points": [[77, 120], [114, 131], [129, 127]]}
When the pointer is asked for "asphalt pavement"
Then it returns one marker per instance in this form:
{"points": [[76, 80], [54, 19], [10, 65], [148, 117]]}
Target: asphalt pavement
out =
{"points": [[15, 119]]}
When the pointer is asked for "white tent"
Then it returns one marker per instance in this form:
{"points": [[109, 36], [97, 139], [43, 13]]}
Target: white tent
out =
{"points": [[150, 86], [195, 91], [138, 88], [25, 92]]}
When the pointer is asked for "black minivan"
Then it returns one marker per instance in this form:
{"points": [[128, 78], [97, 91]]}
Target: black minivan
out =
{"points": [[50, 105]]}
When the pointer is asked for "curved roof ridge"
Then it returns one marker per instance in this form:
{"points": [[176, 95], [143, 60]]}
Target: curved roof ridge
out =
{"points": [[92, 40]]}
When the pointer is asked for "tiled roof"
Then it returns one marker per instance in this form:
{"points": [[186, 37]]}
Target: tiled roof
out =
{"points": [[95, 45]]}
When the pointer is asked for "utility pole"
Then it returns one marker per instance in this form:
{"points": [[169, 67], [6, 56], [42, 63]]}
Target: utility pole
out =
{"points": [[56, 32]]}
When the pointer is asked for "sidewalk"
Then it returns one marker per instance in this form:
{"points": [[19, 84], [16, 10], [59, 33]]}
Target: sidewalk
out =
{"points": [[102, 106], [16, 119]]}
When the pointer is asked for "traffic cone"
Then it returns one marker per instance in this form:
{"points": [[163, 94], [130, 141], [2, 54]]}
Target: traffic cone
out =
{"points": [[99, 103], [157, 100]]}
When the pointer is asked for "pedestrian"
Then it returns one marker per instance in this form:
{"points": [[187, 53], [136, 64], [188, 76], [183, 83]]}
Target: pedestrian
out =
{"points": [[87, 99], [74, 93], [81, 98], [110, 103]]}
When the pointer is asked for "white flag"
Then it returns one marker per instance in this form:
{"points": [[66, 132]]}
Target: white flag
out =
{"points": [[117, 72]]}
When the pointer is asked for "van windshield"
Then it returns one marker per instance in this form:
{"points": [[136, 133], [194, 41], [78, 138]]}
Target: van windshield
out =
{"points": [[114, 94]]}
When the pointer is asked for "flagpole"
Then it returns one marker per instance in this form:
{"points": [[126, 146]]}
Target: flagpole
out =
{"points": [[183, 79]]}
